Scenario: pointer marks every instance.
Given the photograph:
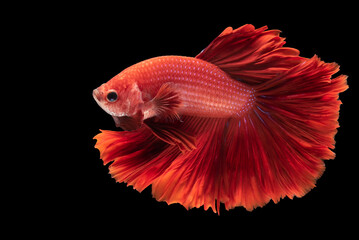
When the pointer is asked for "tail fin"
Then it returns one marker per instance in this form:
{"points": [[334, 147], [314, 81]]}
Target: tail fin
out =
{"points": [[290, 130]]}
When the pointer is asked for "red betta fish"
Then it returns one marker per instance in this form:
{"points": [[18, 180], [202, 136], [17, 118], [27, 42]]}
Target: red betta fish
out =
{"points": [[244, 122]]}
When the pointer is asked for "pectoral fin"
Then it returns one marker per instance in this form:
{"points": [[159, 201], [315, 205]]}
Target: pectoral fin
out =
{"points": [[165, 104]]}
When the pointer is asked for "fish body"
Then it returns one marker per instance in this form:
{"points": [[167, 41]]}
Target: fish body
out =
{"points": [[203, 89], [244, 122]]}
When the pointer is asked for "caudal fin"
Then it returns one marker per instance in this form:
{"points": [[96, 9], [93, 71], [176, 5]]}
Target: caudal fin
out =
{"points": [[279, 147], [283, 140]]}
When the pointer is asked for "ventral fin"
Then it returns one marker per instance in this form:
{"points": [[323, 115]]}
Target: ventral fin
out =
{"points": [[172, 135], [129, 123], [166, 102]]}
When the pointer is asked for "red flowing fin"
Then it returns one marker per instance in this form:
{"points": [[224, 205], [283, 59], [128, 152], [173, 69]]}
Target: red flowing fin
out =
{"points": [[284, 139], [172, 135], [137, 157], [276, 150], [224, 168], [166, 102], [198, 177], [193, 178], [251, 55]]}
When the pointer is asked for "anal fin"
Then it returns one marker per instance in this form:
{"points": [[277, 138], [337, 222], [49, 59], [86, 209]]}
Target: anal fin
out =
{"points": [[172, 135]]}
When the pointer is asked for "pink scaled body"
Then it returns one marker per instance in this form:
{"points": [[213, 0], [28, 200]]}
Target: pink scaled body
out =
{"points": [[204, 90]]}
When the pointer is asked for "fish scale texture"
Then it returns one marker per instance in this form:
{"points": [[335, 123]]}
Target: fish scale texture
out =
{"points": [[205, 90]]}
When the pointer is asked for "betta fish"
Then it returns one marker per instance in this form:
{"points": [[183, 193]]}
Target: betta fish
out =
{"points": [[244, 122]]}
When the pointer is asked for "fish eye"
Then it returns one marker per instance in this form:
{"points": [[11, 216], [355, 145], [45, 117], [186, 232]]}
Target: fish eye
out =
{"points": [[112, 96]]}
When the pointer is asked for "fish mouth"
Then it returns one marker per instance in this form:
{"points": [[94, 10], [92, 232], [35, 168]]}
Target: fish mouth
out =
{"points": [[96, 94]]}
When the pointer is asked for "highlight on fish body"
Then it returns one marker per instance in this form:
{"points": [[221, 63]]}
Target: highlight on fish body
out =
{"points": [[244, 122]]}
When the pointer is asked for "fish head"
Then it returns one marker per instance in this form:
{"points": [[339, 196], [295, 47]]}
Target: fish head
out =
{"points": [[120, 100]]}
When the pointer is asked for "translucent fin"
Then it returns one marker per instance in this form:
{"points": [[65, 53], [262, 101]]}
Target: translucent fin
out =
{"points": [[251, 55], [166, 102]]}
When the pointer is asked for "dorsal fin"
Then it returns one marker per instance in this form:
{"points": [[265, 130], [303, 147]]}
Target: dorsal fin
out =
{"points": [[251, 55]]}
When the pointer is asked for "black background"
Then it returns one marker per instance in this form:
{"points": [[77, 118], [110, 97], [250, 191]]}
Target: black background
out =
{"points": [[101, 49]]}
